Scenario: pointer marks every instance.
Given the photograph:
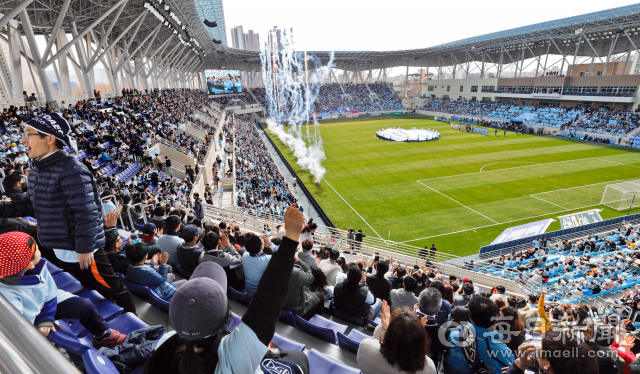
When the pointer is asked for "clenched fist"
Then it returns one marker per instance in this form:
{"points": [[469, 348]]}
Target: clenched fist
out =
{"points": [[293, 222]]}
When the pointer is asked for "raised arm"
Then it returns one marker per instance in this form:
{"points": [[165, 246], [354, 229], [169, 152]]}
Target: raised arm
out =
{"points": [[264, 309]]}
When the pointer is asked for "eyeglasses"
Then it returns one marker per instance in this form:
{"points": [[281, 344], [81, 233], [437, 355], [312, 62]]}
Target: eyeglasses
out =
{"points": [[28, 135]]}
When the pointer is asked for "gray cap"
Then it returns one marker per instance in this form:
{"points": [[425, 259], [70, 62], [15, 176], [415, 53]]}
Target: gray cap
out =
{"points": [[198, 309]]}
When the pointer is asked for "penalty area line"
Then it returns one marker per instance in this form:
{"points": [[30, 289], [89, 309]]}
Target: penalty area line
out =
{"points": [[355, 211], [456, 201]]}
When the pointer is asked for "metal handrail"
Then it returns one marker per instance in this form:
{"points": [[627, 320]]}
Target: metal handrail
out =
{"points": [[114, 200], [23, 349], [332, 236]]}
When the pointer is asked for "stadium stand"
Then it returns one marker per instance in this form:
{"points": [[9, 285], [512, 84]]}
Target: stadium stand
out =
{"points": [[115, 258]]}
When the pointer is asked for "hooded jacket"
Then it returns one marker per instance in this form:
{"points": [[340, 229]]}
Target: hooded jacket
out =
{"points": [[64, 199], [34, 294]]}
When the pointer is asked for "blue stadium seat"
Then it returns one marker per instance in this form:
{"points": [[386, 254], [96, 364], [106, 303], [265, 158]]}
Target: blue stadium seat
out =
{"points": [[238, 296], [95, 363], [106, 308], [183, 272], [359, 321], [64, 337], [371, 325], [286, 343], [146, 293], [352, 341], [288, 317], [65, 281], [124, 324], [53, 270], [233, 322], [321, 327], [321, 364]]}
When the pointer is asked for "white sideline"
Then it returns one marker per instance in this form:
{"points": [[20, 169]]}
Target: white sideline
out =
{"points": [[456, 201], [345, 201]]}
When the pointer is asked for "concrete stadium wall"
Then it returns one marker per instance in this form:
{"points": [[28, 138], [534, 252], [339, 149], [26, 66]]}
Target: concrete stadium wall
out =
{"points": [[440, 88]]}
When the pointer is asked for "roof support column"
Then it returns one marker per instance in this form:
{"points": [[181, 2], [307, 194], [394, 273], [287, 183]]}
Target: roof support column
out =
{"points": [[65, 82], [406, 82], [500, 64], [16, 60], [611, 48], [575, 55], [83, 33], [86, 83], [47, 87], [420, 72], [56, 27], [546, 58], [626, 61], [634, 46], [33, 78]]}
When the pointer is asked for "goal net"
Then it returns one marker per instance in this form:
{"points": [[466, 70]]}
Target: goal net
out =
{"points": [[620, 195]]}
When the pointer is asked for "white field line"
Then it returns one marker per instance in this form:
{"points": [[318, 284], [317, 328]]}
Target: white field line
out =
{"points": [[619, 163], [516, 167], [345, 201], [502, 223], [523, 219], [535, 197], [494, 163], [456, 201], [586, 185]]}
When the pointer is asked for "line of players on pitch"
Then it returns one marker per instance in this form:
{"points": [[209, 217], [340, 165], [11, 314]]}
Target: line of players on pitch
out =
{"points": [[467, 128]]}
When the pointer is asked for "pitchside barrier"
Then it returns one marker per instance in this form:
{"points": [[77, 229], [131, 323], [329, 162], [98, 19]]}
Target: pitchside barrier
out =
{"points": [[596, 228]]}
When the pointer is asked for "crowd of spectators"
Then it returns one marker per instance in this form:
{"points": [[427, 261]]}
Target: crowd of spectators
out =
{"points": [[608, 122], [349, 97], [260, 186], [427, 320], [593, 265]]}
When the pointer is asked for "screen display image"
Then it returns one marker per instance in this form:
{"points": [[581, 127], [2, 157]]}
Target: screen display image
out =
{"points": [[223, 81]]}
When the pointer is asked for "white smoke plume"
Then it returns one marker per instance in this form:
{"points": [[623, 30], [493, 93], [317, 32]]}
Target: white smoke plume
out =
{"points": [[292, 82]]}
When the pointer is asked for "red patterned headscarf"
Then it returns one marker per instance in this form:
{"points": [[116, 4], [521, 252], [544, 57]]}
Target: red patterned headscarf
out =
{"points": [[15, 252]]}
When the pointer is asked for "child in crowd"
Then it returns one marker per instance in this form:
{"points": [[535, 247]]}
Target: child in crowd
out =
{"points": [[147, 275], [26, 283]]}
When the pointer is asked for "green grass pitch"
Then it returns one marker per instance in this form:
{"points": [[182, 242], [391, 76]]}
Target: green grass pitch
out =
{"points": [[459, 192]]}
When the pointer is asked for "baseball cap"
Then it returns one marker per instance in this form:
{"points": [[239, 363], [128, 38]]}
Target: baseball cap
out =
{"points": [[460, 314], [148, 231], [198, 309], [190, 231], [465, 280], [15, 253]]}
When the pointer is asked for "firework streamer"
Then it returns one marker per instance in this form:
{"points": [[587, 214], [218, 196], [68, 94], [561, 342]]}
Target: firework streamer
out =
{"points": [[291, 91]]}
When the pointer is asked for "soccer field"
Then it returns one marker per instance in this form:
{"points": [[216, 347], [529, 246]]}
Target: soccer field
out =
{"points": [[459, 192]]}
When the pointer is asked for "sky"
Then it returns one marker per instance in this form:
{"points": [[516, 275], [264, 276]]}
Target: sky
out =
{"points": [[375, 25]]}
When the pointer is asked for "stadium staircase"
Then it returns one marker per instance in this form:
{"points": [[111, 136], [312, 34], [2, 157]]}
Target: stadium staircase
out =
{"points": [[252, 95]]}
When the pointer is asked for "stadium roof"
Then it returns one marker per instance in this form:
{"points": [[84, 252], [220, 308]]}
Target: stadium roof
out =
{"points": [[172, 33], [614, 30]]}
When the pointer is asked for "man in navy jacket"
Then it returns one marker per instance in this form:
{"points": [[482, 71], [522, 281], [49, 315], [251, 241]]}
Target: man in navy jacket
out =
{"points": [[64, 199]]}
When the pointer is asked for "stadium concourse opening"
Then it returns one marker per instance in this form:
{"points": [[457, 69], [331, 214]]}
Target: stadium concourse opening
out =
{"points": [[148, 228]]}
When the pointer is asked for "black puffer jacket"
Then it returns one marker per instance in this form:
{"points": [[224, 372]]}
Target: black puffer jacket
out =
{"points": [[64, 199]]}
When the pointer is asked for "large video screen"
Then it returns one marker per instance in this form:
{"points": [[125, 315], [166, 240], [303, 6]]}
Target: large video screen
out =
{"points": [[223, 81]]}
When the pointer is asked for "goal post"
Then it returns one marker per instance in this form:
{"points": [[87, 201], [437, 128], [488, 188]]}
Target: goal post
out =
{"points": [[619, 196]]}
